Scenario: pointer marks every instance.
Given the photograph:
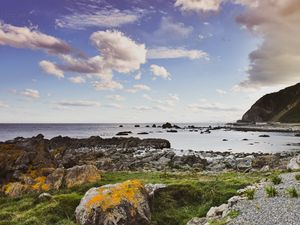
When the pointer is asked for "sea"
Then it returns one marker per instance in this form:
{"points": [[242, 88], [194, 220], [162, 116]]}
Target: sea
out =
{"points": [[186, 139]]}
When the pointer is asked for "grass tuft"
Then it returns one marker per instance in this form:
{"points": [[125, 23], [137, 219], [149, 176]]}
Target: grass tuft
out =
{"points": [[276, 180], [271, 191], [292, 192], [297, 177], [249, 193]]}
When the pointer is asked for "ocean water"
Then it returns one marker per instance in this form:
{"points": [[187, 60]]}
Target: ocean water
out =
{"points": [[183, 140]]}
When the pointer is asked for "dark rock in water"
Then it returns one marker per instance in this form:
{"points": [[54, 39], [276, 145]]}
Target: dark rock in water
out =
{"points": [[143, 133], [297, 135], [282, 106], [167, 126], [224, 140], [147, 126], [264, 135], [124, 133], [245, 139], [136, 125], [172, 131], [121, 126], [154, 125]]}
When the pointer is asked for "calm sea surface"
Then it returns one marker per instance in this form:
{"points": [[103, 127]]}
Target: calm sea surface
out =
{"points": [[184, 139]]}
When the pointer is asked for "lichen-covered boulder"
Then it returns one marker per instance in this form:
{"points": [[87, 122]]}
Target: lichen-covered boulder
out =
{"points": [[79, 175], [119, 204]]}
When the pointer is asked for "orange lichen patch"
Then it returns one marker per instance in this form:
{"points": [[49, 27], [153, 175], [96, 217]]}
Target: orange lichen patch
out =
{"points": [[110, 197], [40, 184]]}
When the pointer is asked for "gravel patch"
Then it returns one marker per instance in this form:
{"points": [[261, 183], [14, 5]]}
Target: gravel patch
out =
{"points": [[280, 210]]}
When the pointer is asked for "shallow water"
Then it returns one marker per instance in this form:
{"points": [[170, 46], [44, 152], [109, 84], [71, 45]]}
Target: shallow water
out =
{"points": [[184, 139]]}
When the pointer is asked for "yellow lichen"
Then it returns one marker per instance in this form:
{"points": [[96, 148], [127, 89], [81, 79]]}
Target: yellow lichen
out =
{"points": [[7, 188], [40, 184], [111, 197]]}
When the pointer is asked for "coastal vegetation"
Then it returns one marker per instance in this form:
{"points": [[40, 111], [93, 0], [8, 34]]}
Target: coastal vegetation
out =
{"points": [[187, 195]]}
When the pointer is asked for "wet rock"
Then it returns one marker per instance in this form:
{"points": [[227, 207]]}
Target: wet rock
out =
{"points": [[124, 133], [79, 175], [264, 136], [119, 204], [167, 126], [172, 131], [143, 133], [136, 125]]}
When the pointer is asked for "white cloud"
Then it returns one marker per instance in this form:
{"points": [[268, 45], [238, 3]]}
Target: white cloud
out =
{"points": [[277, 60], [170, 29], [78, 103], [24, 37], [114, 105], [198, 5], [119, 52], [160, 71], [107, 85], [138, 87], [142, 108], [205, 105], [31, 93], [221, 92], [77, 80], [51, 68], [102, 18], [173, 53], [117, 98], [138, 76], [3, 105]]}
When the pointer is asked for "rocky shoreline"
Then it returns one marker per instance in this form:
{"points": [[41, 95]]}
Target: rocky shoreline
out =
{"points": [[52, 159]]}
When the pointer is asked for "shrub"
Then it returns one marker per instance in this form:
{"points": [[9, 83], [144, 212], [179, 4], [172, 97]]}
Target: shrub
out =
{"points": [[276, 180], [297, 176], [271, 191], [249, 193], [292, 192]]}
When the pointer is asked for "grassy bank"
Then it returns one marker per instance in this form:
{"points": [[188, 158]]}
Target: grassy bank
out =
{"points": [[188, 195]]}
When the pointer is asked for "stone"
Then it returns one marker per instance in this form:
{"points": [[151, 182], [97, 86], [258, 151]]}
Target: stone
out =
{"points": [[44, 197], [294, 163], [55, 179], [79, 175], [234, 200], [152, 188], [167, 126], [217, 211], [119, 204], [197, 221]]}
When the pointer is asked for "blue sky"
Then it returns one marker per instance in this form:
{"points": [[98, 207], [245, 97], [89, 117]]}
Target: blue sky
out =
{"points": [[133, 61]]}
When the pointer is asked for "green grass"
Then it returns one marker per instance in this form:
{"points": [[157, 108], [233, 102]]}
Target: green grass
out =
{"points": [[276, 180], [249, 193], [271, 191], [292, 192], [188, 195]]}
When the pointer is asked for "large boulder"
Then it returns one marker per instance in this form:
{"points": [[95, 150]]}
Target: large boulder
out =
{"points": [[79, 175], [119, 204]]}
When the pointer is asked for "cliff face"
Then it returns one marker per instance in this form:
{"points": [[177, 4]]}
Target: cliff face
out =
{"points": [[282, 106]]}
